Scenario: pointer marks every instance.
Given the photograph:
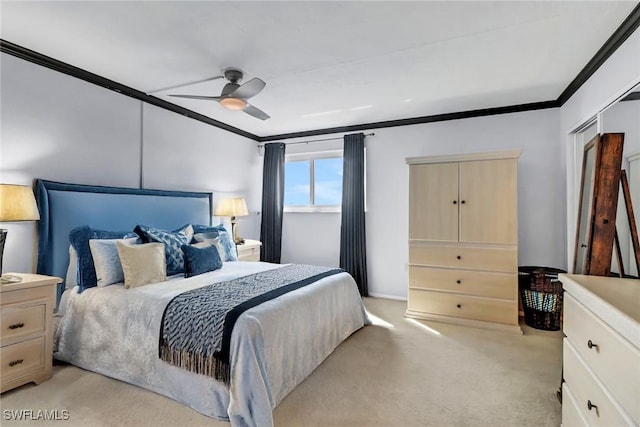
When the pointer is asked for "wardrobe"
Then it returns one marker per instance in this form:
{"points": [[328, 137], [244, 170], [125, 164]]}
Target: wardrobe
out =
{"points": [[463, 239]]}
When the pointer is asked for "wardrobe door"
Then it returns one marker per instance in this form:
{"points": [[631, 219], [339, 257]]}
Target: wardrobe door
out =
{"points": [[488, 201], [433, 202]]}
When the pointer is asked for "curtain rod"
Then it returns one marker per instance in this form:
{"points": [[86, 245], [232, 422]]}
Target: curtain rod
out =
{"points": [[316, 140]]}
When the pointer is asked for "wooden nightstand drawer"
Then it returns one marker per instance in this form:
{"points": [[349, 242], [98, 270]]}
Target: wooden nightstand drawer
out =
{"points": [[249, 251], [21, 358], [26, 330], [19, 321]]}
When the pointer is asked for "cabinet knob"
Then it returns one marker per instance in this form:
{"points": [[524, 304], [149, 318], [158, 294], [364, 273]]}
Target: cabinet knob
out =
{"points": [[458, 281], [459, 257], [16, 325], [591, 406], [462, 202], [458, 305], [590, 344], [455, 202], [16, 362]]}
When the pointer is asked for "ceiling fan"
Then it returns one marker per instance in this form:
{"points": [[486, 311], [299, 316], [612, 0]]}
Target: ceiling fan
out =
{"points": [[234, 95]]}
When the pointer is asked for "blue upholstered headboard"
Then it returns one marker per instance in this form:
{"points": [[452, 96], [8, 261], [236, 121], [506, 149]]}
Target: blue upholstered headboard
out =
{"points": [[64, 207]]}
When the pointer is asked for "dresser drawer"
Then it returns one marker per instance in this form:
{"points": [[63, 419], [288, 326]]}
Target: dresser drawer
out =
{"points": [[22, 358], [474, 258], [463, 306], [571, 416], [587, 390], [20, 321], [611, 357], [477, 283]]}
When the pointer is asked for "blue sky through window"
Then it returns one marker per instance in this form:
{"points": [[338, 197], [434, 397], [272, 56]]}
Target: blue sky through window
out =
{"points": [[327, 183]]}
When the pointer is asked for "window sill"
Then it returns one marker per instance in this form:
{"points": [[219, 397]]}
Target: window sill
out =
{"points": [[313, 209]]}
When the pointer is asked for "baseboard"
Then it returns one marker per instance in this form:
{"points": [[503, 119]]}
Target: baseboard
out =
{"points": [[385, 296]]}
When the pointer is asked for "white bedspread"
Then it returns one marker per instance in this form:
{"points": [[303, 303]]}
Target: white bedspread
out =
{"points": [[274, 346]]}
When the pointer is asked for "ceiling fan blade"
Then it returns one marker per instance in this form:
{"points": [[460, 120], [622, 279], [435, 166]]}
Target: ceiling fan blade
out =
{"points": [[249, 89], [208, 98], [256, 112], [185, 84]]}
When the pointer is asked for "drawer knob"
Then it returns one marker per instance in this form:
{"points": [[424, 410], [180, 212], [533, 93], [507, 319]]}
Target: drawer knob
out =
{"points": [[591, 406], [459, 257], [458, 305], [590, 344], [16, 326], [458, 281], [16, 362]]}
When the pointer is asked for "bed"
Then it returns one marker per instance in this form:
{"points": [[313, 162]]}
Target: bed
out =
{"points": [[114, 331]]}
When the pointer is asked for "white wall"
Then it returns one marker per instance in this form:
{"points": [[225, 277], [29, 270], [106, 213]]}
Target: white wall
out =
{"points": [[60, 128], [315, 237]]}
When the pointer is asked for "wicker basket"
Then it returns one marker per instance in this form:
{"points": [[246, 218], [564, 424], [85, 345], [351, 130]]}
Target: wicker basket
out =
{"points": [[541, 294]]}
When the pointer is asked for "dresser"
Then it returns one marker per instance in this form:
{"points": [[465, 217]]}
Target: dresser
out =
{"points": [[26, 335], [601, 351], [249, 250], [463, 239]]}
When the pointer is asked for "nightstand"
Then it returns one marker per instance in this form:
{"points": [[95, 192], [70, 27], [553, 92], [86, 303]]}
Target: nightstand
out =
{"points": [[249, 251], [26, 330]]}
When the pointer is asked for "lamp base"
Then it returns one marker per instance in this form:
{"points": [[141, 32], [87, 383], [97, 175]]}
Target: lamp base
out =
{"points": [[8, 278]]}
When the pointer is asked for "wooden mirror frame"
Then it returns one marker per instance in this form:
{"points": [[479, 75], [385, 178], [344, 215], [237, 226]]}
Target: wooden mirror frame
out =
{"points": [[597, 219]]}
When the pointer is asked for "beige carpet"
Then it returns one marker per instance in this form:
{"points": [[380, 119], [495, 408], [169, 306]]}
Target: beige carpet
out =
{"points": [[398, 372]]}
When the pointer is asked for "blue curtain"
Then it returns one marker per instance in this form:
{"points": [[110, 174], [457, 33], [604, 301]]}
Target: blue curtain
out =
{"points": [[272, 202], [353, 244]]}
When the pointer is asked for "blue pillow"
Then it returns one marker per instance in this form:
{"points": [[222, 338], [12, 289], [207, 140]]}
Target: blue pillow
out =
{"points": [[198, 260], [222, 239], [173, 241], [79, 239], [197, 228]]}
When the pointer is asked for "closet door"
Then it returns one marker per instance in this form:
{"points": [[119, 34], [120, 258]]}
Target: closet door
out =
{"points": [[433, 202], [488, 202]]}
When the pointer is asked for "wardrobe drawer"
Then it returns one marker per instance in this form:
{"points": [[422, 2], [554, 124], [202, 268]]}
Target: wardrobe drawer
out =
{"points": [[22, 358], [592, 401], [20, 321], [477, 283], [463, 306], [571, 416], [610, 356], [488, 259]]}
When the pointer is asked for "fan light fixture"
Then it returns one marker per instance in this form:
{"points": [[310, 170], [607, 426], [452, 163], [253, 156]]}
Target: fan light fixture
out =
{"points": [[233, 103]]}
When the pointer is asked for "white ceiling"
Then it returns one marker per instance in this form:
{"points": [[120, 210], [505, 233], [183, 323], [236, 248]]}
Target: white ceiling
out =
{"points": [[326, 64]]}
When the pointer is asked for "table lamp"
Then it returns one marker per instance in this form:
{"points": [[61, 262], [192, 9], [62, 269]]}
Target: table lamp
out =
{"points": [[17, 203], [233, 207]]}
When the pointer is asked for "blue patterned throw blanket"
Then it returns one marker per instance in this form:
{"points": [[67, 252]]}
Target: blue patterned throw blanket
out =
{"points": [[196, 327]]}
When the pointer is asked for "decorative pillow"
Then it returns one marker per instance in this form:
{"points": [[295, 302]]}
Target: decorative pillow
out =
{"points": [[197, 228], [200, 259], [79, 238], [142, 264], [106, 260], [222, 240], [172, 240]]}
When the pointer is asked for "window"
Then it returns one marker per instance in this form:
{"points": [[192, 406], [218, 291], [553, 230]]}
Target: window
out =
{"points": [[313, 182]]}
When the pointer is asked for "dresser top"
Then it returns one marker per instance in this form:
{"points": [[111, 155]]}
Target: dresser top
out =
{"points": [[616, 301]]}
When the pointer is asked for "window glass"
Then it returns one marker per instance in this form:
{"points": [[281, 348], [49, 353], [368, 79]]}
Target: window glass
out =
{"points": [[328, 182], [297, 185]]}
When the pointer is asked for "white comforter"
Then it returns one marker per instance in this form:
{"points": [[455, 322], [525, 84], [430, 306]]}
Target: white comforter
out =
{"points": [[274, 346]]}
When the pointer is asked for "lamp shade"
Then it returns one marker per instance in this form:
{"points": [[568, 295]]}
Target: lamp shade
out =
{"points": [[17, 203], [235, 206]]}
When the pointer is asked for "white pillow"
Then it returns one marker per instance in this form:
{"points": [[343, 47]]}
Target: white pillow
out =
{"points": [[142, 264], [71, 279], [107, 261]]}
